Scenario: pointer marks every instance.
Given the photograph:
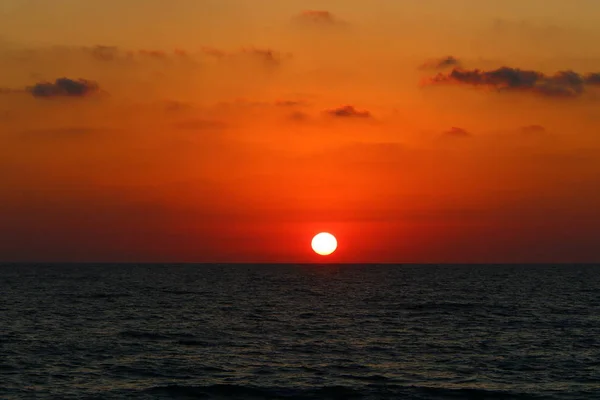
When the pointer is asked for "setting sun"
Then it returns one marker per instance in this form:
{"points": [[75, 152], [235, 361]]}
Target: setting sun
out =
{"points": [[324, 244]]}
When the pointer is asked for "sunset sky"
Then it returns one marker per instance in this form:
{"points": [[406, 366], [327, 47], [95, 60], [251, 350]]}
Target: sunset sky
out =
{"points": [[235, 130]]}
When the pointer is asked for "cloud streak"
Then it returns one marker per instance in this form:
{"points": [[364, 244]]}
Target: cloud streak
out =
{"points": [[561, 84]]}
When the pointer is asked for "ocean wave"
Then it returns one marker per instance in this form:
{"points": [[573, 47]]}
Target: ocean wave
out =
{"points": [[143, 335], [180, 337], [433, 393], [196, 342], [367, 378], [377, 390], [234, 392], [180, 292], [439, 306], [96, 296]]}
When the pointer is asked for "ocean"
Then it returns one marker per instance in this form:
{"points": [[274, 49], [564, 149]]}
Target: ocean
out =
{"points": [[299, 331]]}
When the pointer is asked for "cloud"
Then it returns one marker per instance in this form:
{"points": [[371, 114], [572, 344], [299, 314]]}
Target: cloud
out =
{"points": [[113, 53], [199, 124], [348, 112], [214, 52], [561, 84], [593, 79], [63, 87], [298, 116], [440, 63], [181, 53], [268, 56], [61, 133], [533, 130], [290, 103], [104, 53], [155, 54], [317, 17], [455, 132], [9, 91], [176, 106]]}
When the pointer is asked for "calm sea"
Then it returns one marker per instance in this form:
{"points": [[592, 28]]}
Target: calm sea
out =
{"points": [[299, 332]]}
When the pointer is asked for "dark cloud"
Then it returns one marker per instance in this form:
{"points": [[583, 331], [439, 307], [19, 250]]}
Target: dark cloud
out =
{"points": [[455, 132], [63, 87], [593, 79], [441, 63], [348, 112], [561, 84]]}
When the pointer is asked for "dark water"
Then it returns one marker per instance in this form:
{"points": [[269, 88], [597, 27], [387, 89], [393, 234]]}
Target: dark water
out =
{"points": [[299, 332]]}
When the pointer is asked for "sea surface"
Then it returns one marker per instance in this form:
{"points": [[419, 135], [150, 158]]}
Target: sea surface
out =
{"points": [[299, 331]]}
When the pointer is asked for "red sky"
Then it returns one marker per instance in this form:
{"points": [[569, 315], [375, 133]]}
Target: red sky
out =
{"points": [[219, 131]]}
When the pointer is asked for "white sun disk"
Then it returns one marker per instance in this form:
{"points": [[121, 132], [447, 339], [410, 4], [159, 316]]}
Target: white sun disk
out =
{"points": [[324, 243]]}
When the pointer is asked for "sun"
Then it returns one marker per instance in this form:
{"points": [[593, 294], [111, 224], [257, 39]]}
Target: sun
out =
{"points": [[324, 244]]}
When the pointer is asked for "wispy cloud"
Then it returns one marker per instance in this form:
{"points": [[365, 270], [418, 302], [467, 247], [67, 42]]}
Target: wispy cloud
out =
{"points": [[266, 55], [200, 124], [440, 63], [10, 90], [269, 56], [114, 53], [104, 53], [298, 116], [322, 19], [60, 133], [456, 132], [533, 130], [155, 54], [317, 17], [290, 103]]}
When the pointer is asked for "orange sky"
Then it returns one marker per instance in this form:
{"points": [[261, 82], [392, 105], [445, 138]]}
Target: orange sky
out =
{"points": [[224, 131]]}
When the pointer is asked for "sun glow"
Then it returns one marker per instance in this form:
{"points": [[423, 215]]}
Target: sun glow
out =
{"points": [[324, 244]]}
